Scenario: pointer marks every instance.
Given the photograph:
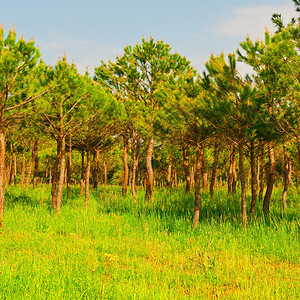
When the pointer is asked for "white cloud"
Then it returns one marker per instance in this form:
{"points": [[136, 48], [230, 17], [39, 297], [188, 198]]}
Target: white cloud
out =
{"points": [[253, 20]]}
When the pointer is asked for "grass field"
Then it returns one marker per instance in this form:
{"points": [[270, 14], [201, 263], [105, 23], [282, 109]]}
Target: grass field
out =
{"points": [[119, 250]]}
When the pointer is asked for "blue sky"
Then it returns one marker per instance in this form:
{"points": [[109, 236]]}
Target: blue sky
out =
{"points": [[89, 30]]}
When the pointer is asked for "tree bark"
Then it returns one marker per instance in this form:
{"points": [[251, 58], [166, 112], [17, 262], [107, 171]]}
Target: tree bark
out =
{"points": [[23, 169], [258, 166], [271, 179], [10, 168], [69, 166], [82, 173], [197, 186], [15, 169], [55, 175], [105, 172], [36, 163], [125, 166], [203, 169], [185, 153], [28, 180], [285, 176], [2, 168], [232, 178], [96, 169], [214, 170], [149, 169], [135, 152], [169, 173], [253, 178], [243, 186], [60, 183], [87, 178], [263, 174]]}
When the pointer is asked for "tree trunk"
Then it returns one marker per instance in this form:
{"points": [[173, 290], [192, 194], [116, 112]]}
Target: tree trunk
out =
{"points": [[96, 169], [285, 176], [258, 166], [36, 163], [203, 169], [2, 169], [290, 171], [169, 173], [263, 175], [28, 180], [69, 166], [23, 169], [15, 169], [150, 176], [87, 178], [82, 173], [232, 171], [214, 170], [125, 166], [253, 178], [10, 168], [243, 186], [197, 186], [185, 153], [271, 179], [60, 183], [135, 153], [105, 172], [55, 175]]}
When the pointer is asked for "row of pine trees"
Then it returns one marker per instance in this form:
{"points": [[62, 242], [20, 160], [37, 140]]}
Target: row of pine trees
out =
{"points": [[150, 119]]}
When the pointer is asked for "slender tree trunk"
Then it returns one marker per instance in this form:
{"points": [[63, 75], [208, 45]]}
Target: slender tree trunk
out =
{"points": [[135, 153], [271, 179], [28, 180], [169, 173], [248, 178], [203, 169], [23, 169], [87, 178], [185, 153], [10, 168], [197, 186], [82, 173], [69, 166], [285, 177], [55, 174], [150, 175], [2, 168], [36, 163], [243, 186], [15, 169], [125, 167], [96, 169], [259, 154], [214, 170], [263, 175], [253, 178], [60, 183], [105, 171], [290, 171], [232, 171]]}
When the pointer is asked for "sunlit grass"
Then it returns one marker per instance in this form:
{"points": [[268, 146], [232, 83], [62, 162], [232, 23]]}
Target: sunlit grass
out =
{"points": [[120, 250]]}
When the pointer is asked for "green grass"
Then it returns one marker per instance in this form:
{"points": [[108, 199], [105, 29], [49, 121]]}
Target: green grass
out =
{"points": [[120, 250]]}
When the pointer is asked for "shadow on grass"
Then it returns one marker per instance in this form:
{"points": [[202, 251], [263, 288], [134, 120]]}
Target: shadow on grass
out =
{"points": [[168, 206], [173, 205]]}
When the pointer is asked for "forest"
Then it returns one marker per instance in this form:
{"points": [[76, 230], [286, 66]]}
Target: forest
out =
{"points": [[149, 138]]}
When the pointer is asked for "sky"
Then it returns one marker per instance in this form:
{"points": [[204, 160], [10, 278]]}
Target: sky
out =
{"points": [[89, 31]]}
